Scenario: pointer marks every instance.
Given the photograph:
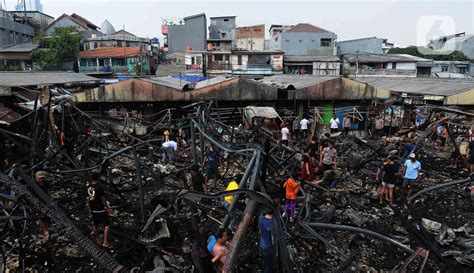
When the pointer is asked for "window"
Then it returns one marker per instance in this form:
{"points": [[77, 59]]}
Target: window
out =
{"points": [[287, 41], [226, 20], [300, 41], [239, 60], [444, 68], [326, 42], [218, 43], [89, 62], [313, 41], [394, 65]]}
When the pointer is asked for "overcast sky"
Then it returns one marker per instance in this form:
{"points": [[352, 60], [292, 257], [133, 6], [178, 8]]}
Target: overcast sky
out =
{"points": [[402, 22]]}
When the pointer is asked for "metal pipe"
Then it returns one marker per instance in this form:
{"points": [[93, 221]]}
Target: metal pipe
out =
{"points": [[363, 231], [140, 185], [441, 186]]}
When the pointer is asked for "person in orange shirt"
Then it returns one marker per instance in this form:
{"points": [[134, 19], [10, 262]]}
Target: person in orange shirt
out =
{"points": [[291, 188]]}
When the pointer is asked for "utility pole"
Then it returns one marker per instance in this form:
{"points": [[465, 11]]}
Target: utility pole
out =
{"points": [[357, 64]]}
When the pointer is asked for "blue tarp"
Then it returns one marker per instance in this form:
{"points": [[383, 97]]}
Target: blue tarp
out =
{"points": [[191, 78]]}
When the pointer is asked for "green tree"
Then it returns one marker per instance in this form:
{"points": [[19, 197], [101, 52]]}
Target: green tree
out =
{"points": [[61, 46]]}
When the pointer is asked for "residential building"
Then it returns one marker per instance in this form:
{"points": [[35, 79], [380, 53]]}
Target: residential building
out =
{"points": [[372, 45], [452, 69], [312, 65], [244, 62], [306, 39], [12, 32], [88, 28], [275, 31], [17, 57], [120, 38], [250, 38], [384, 65], [29, 5], [221, 33], [459, 41], [115, 60], [38, 20], [188, 33]]}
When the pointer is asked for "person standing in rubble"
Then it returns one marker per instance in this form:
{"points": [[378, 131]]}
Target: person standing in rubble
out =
{"points": [[347, 124], [327, 158], [198, 180], [285, 134], [220, 251], [296, 128], [304, 125], [411, 170], [334, 124], [265, 225], [100, 209], [169, 150], [389, 173], [291, 189], [307, 169], [213, 159], [379, 126]]}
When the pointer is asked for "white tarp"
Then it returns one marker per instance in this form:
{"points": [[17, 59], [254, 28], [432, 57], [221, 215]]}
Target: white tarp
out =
{"points": [[260, 111]]}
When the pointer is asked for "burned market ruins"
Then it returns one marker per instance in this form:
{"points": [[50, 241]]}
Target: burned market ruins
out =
{"points": [[165, 175], [217, 147]]}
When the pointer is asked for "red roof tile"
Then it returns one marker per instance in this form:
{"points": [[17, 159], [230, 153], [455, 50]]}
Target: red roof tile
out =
{"points": [[303, 27], [112, 52]]}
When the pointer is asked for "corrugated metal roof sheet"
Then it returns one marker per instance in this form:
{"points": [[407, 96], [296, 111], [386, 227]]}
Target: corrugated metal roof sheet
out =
{"points": [[377, 58], [305, 27], [12, 79], [421, 86], [7, 115], [112, 52], [26, 47], [310, 58], [297, 81]]}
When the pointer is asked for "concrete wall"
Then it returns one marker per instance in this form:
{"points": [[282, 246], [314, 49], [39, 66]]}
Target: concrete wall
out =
{"points": [[467, 47], [222, 28], [369, 45], [306, 43], [12, 33], [250, 38], [193, 33]]}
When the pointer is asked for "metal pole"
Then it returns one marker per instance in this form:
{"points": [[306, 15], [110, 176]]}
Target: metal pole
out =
{"points": [[193, 141], [140, 186]]}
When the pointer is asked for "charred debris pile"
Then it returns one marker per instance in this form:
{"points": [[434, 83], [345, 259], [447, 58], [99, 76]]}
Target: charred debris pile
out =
{"points": [[157, 221]]}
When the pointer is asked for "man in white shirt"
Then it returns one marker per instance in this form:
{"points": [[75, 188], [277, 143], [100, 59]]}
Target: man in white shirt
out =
{"points": [[285, 134], [304, 126], [169, 149], [334, 124]]}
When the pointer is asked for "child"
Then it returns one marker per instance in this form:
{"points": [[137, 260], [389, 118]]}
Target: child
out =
{"points": [[291, 188]]}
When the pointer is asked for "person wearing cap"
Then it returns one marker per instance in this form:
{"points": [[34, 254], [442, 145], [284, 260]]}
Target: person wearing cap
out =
{"points": [[411, 170], [389, 174], [99, 208], [43, 220]]}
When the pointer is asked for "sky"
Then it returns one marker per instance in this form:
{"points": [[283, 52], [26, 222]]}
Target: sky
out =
{"points": [[401, 22]]}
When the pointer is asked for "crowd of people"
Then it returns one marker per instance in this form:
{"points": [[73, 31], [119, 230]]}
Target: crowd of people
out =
{"points": [[319, 166]]}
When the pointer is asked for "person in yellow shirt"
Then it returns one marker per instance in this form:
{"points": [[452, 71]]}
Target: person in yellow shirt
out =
{"points": [[228, 200], [230, 187]]}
